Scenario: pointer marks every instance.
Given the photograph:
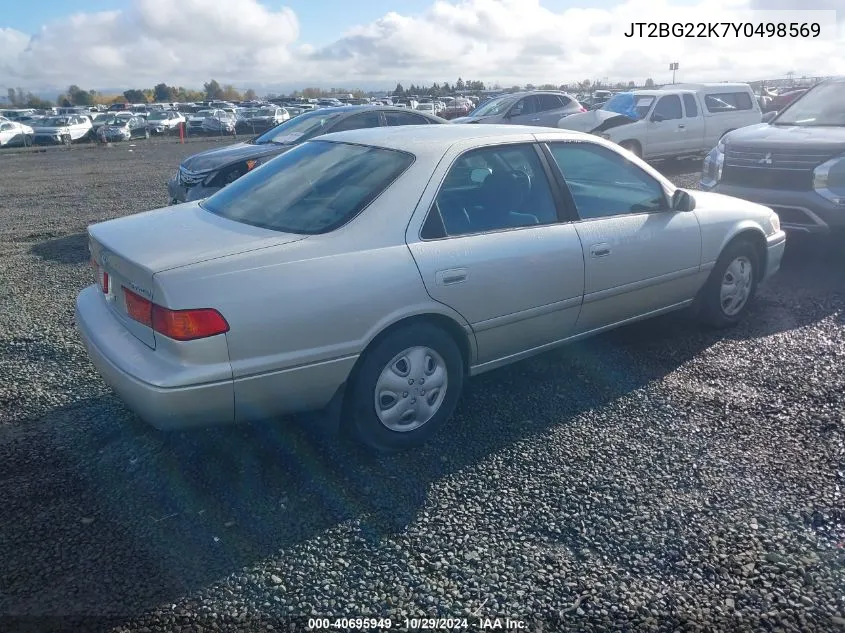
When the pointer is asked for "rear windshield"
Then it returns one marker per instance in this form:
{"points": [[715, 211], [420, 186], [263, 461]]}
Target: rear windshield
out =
{"points": [[315, 187]]}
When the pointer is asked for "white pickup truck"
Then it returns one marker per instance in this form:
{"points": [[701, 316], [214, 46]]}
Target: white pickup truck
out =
{"points": [[673, 121]]}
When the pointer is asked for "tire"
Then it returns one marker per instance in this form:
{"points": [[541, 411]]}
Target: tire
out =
{"points": [[740, 262], [633, 147], [67, 140], [27, 140], [392, 358], [147, 134]]}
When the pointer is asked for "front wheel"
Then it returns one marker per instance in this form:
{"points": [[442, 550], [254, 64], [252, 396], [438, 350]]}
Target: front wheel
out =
{"points": [[730, 289], [407, 386]]}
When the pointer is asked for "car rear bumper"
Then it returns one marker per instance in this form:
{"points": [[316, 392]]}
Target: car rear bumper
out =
{"points": [[120, 358], [799, 211]]}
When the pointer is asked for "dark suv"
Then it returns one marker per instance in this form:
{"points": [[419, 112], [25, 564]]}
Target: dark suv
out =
{"points": [[202, 174], [795, 163]]}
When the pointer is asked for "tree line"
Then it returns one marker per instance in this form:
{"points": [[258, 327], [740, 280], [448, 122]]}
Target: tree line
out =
{"points": [[213, 91]]}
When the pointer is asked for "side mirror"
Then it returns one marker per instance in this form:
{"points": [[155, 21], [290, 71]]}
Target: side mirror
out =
{"points": [[657, 117], [682, 201], [769, 116]]}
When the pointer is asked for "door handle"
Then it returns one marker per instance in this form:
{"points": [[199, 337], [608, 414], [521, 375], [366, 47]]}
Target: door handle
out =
{"points": [[537, 119], [682, 126], [600, 250], [450, 277]]}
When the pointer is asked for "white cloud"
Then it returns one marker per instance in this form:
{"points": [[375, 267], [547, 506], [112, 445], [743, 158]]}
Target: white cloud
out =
{"points": [[506, 41]]}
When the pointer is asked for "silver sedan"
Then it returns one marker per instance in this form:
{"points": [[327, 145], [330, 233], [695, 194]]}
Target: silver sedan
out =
{"points": [[373, 271]]}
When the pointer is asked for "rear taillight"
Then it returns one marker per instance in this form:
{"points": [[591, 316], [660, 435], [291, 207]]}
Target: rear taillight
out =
{"points": [[181, 325], [102, 277], [583, 109]]}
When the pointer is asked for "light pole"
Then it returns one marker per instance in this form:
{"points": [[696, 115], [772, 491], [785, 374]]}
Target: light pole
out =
{"points": [[673, 67]]}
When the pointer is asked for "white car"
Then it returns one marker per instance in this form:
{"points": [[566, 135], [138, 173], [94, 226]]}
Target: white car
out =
{"points": [[164, 121], [14, 133], [429, 108], [64, 129]]}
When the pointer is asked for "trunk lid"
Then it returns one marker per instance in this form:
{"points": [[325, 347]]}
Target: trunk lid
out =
{"points": [[131, 250]]}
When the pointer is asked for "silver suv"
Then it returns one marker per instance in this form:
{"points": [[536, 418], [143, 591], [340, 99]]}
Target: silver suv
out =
{"points": [[543, 108]]}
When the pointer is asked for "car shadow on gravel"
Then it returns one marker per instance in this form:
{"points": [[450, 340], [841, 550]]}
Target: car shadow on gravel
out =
{"points": [[70, 249], [127, 519]]}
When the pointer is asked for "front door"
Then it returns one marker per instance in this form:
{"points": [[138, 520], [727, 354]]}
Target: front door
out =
{"points": [[494, 249], [639, 255], [666, 132]]}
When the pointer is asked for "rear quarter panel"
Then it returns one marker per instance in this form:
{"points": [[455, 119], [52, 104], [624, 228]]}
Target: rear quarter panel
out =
{"points": [[301, 313]]}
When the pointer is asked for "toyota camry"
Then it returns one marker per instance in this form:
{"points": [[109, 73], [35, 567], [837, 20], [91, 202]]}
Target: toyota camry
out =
{"points": [[371, 272]]}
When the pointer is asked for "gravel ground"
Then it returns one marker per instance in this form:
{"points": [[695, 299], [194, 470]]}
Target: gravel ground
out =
{"points": [[661, 477]]}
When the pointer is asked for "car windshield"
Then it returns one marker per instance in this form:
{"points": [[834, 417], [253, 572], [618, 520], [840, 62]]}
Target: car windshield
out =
{"points": [[267, 112], [300, 129], [248, 112], [205, 113], [158, 116], [57, 121], [496, 106], [313, 188], [631, 105], [117, 120], [820, 107]]}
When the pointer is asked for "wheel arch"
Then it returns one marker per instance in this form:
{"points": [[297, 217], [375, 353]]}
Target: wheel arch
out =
{"points": [[750, 232]]}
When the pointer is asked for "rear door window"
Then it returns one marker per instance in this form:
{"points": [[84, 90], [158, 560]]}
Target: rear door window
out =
{"points": [[404, 118], [690, 106], [358, 122]]}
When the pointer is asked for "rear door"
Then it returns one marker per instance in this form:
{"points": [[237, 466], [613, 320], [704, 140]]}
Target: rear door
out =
{"points": [[552, 109], [489, 242]]}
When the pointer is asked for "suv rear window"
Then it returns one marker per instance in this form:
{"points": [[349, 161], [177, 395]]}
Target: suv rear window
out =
{"points": [[314, 188]]}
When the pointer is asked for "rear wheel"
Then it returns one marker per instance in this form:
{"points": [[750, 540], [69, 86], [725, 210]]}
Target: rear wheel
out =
{"points": [[406, 387], [730, 289]]}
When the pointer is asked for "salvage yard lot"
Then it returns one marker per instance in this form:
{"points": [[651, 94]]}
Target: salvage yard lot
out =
{"points": [[660, 474]]}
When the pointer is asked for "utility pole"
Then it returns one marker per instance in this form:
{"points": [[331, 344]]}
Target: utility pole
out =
{"points": [[673, 67]]}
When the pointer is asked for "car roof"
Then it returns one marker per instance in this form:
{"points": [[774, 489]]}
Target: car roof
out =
{"points": [[423, 138]]}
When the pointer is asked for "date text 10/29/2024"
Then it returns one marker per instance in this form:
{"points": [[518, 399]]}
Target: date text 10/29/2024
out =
{"points": [[416, 624]]}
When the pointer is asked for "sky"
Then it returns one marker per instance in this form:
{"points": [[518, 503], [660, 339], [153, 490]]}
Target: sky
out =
{"points": [[286, 44]]}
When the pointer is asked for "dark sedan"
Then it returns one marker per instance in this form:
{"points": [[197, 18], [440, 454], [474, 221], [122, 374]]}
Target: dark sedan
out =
{"points": [[202, 174]]}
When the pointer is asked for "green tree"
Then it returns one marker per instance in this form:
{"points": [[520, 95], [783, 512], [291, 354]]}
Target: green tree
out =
{"points": [[399, 90], [164, 93], [213, 91], [649, 83], [79, 97], [250, 95], [459, 85], [230, 93], [135, 96]]}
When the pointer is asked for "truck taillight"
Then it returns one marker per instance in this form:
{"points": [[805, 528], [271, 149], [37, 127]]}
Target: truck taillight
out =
{"points": [[181, 325]]}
